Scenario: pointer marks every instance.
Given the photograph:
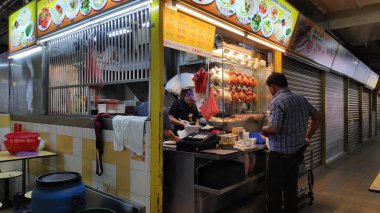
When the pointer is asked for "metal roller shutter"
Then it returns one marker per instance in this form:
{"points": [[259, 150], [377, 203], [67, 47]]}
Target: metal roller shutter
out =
{"points": [[334, 116], [366, 113], [306, 81], [353, 116]]}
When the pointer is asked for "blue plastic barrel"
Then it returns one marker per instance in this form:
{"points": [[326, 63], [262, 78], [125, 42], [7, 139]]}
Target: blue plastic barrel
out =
{"points": [[60, 192]]}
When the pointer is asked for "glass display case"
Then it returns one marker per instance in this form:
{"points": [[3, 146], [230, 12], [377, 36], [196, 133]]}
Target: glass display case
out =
{"points": [[237, 78]]}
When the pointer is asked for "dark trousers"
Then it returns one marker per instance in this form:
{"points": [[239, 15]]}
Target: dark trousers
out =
{"points": [[282, 180]]}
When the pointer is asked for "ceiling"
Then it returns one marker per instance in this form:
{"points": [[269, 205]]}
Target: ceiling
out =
{"points": [[354, 23]]}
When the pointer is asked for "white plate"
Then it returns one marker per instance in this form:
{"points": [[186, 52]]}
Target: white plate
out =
{"points": [[24, 17], [287, 18], [275, 17], [278, 32], [31, 30], [260, 24], [70, 12], [99, 6], [57, 19], [263, 13], [203, 2], [49, 22], [224, 8], [15, 37], [85, 12], [243, 16], [270, 32]]}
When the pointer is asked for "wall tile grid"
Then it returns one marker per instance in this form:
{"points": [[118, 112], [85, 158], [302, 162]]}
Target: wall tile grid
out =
{"points": [[15, 183], [124, 173]]}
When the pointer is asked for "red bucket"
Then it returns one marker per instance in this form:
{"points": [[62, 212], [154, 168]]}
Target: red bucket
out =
{"points": [[22, 141]]}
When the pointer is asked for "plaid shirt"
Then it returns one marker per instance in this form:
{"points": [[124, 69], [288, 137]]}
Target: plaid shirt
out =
{"points": [[291, 113]]}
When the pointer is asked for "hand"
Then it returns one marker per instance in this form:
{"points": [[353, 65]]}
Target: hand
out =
{"points": [[308, 142], [184, 123], [264, 131]]}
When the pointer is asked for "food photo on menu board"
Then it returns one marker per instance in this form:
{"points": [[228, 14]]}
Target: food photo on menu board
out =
{"points": [[273, 19], [314, 43], [22, 31], [52, 14]]}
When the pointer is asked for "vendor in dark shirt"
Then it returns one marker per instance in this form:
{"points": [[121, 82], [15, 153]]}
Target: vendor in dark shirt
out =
{"points": [[184, 111]]}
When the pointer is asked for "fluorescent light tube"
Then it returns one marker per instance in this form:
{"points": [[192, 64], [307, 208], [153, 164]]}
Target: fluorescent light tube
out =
{"points": [[265, 43], [66, 32], [130, 8], [25, 53], [209, 20]]}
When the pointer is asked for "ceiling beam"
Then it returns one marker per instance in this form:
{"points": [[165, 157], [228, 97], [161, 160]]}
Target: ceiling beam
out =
{"points": [[354, 17]]}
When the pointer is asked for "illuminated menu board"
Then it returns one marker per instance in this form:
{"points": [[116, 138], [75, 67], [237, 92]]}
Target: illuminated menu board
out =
{"points": [[312, 42], [362, 73], [188, 34], [372, 80], [22, 28], [55, 14], [272, 19], [345, 62]]}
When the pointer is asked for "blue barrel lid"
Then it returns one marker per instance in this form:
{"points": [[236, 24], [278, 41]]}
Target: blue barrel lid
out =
{"points": [[58, 179]]}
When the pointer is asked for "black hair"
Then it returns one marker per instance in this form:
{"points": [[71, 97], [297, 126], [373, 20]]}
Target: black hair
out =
{"points": [[278, 79]]}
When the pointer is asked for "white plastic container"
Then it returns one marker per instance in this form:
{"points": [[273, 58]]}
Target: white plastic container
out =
{"points": [[102, 108]]}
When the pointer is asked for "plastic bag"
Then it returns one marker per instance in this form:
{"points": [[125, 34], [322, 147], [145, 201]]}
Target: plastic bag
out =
{"points": [[209, 108], [174, 85], [187, 80]]}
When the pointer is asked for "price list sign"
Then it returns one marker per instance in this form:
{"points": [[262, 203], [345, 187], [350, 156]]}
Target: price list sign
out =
{"points": [[183, 32]]}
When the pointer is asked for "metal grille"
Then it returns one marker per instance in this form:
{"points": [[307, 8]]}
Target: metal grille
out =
{"points": [[306, 81], [334, 116], [114, 52], [353, 116], [366, 113]]}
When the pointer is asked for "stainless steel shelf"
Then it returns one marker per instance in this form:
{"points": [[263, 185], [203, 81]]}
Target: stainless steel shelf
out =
{"points": [[229, 188], [212, 156], [192, 63]]}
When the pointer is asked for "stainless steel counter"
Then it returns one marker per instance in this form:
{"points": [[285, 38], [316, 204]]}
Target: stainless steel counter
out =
{"points": [[182, 194], [97, 199]]}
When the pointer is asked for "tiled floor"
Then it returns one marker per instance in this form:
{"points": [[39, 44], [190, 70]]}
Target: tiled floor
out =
{"points": [[339, 187]]}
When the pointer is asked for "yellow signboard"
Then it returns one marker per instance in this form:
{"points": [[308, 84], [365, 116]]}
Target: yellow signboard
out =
{"points": [[188, 34], [22, 28], [274, 20]]}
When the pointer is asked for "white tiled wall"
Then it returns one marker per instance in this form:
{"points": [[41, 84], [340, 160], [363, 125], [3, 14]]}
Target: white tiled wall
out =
{"points": [[140, 170]]}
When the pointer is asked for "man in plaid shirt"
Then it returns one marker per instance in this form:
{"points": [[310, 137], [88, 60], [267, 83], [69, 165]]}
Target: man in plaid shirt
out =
{"points": [[289, 134]]}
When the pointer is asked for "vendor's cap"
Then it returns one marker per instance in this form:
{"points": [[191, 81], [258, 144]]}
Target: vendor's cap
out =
{"points": [[190, 93]]}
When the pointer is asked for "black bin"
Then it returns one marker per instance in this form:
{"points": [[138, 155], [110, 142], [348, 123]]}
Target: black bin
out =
{"points": [[220, 174]]}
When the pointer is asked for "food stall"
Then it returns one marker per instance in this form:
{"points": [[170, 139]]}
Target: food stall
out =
{"points": [[70, 60], [237, 46], [86, 57]]}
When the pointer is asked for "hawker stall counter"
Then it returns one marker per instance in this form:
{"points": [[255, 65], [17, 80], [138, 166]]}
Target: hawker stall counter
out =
{"points": [[189, 187]]}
